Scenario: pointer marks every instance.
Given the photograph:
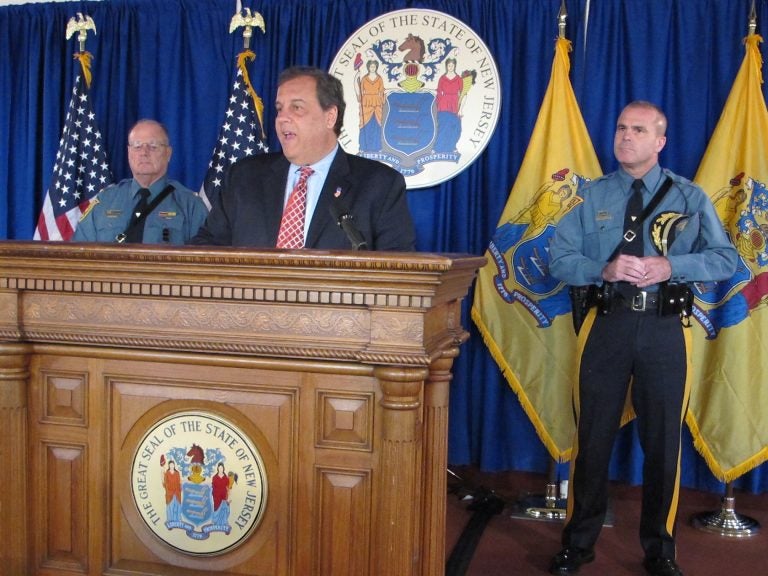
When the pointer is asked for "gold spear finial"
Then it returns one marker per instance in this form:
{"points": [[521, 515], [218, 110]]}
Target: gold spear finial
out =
{"points": [[81, 25], [752, 19], [247, 20], [561, 16]]}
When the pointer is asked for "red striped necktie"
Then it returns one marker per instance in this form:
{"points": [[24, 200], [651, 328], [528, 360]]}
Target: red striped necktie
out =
{"points": [[291, 233]]}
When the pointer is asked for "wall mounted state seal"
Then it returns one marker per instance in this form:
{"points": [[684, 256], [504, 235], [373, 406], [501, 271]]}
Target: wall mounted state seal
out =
{"points": [[422, 93]]}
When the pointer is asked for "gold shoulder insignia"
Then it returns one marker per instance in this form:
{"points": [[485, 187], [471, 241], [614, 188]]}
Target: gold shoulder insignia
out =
{"points": [[91, 206], [664, 229]]}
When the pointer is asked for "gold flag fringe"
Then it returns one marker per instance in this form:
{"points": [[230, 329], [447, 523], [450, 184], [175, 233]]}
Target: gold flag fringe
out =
{"points": [[557, 453], [723, 475], [258, 104], [85, 62], [752, 41]]}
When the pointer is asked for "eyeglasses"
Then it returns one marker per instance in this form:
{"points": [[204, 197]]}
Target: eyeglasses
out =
{"points": [[151, 146]]}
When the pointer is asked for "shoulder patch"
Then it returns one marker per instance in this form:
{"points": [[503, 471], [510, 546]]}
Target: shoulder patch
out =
{"points": [[91, 206]]}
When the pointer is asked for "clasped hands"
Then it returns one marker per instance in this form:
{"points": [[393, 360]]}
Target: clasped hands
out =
{"points": [[641, 271]]}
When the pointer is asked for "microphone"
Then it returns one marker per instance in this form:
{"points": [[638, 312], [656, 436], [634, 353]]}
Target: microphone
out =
{"points": [[344, 219]]}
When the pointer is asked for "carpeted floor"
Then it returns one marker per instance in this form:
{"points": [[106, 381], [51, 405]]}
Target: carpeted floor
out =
{"points": [[510, 545]]}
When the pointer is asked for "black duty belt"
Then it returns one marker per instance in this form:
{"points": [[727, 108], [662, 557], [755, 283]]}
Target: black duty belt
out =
{"points": [[642, 301]]}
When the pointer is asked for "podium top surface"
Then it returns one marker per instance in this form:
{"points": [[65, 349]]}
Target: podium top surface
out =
{"points": [[376, 307]]}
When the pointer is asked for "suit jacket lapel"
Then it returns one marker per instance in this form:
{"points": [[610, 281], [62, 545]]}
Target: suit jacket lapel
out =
{"points": [[273, 189], [338, 179]]}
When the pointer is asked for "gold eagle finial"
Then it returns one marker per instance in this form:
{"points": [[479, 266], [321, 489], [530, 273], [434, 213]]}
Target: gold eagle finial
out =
{"points": [[247, 19], [81, 25]]}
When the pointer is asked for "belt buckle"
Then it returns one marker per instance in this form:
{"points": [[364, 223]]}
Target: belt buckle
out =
{"points": [[638, 301]]}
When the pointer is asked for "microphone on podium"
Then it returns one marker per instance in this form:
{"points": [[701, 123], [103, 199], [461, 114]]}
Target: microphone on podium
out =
{"points": [[345, 220]]}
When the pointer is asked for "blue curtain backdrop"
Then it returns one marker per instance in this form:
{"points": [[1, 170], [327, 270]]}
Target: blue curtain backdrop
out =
{"points": [[173, 60]]}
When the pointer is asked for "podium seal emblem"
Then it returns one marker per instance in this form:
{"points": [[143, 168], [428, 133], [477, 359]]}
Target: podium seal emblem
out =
{"points": [[198, 483]]}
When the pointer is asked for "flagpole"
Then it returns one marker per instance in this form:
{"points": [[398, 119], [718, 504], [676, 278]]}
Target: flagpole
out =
{"points": [[550, 506], [247, 20], [81, 169], [726, 521], [242, 131]]}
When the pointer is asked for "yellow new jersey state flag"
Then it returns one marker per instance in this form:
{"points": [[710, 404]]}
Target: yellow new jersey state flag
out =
{"points": [[728, 413], [521, 311]]}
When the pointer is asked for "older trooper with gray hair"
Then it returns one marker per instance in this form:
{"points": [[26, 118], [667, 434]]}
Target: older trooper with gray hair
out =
{"points": [[148, 208]]}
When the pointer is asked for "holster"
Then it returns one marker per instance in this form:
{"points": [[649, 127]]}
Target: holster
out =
{"points": [[580, 304], [584, 297], [604, 298]]}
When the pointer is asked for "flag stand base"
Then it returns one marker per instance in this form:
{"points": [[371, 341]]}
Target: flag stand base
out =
{"points": [[549, 509], [538, 507], [726, 521], [546, 507]]}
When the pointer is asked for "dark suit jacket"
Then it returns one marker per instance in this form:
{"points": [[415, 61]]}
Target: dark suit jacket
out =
{"points": [[250, 206]]}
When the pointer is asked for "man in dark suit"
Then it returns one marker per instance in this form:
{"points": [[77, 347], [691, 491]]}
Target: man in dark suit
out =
{"points": [[259, 192]]}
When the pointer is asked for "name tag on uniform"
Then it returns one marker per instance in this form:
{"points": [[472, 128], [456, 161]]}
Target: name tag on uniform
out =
{"points": [[114, 213], [603, 215]]}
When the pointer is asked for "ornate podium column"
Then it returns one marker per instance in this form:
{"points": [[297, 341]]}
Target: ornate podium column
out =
{"points": [[14, 374], [397, 527], [436, 399]]}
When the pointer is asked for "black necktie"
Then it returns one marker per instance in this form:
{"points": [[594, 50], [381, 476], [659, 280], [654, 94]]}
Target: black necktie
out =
{"points": [[136, 232], [634, 209]]}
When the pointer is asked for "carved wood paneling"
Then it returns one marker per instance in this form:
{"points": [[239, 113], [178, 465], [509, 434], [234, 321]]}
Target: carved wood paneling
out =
{"points": [[142, 394], [66, 523], [343, 522], [65, 398], [344, 420]]}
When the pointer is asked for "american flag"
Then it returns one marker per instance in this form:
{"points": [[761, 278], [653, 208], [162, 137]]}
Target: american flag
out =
{"points": [[241, 134], [81, 169]]}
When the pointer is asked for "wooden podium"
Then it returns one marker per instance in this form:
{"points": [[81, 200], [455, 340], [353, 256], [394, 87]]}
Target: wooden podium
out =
{"points": [[319, 380]]}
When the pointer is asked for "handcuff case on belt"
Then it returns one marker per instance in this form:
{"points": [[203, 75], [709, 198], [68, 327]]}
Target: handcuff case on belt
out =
{"points": [[675, 298]]}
